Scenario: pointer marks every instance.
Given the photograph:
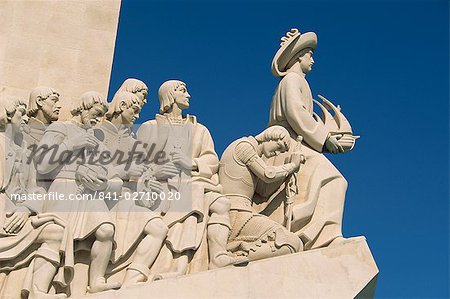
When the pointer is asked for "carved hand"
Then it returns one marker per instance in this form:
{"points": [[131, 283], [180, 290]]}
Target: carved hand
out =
{"points": [[16, 220], [83, 140], [165, 171], [155, 186], [136, 170], [297, 159], [333, 146], [182, 161], [347, 142], [98, 183]]}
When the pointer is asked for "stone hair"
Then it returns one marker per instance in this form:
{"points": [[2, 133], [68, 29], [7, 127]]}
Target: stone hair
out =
{"points": [[166, 94], [37, 93], [130, 99], [274, 133], [8, 106], [88, 100]]}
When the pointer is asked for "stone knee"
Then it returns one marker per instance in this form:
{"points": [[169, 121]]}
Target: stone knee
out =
{"points": [[156, 228], [220, 206], [220, 212], [52, 232], [48, 254], [105, 232]]}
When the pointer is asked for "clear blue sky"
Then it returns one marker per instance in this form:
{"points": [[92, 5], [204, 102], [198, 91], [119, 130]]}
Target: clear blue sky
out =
{"points": [[386, 63]]}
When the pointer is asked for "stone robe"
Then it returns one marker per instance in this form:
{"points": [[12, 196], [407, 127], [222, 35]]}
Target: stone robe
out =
{"points": [[130, 219], [319, 205], [17, 250], [186, 218], [83, 217]]}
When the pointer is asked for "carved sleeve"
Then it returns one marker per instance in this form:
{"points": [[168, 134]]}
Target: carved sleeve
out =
{"points": [[299, 118], [247, 155], [207, 160]]}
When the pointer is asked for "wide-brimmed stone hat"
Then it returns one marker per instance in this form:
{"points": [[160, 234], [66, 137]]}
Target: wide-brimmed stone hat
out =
{"points": [[290, 46]]}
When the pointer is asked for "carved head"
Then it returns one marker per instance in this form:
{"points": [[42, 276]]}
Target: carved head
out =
{"points": [[305, 59], [137, 87], [13, 110], [173, 92], [274, 140], [45, 99], [126, 105], [91, 108], [293, 46]]}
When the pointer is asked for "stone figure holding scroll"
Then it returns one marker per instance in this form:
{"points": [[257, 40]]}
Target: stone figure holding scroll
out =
{"points": [[201, 216], [318, 208], [252, 234], [140, 232], [28, 237], [74, 147]]}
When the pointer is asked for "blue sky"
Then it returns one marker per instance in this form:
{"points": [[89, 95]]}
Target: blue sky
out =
{"points": [[385, 63]]}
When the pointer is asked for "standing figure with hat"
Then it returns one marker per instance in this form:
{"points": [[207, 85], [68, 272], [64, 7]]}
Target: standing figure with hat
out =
{"points": [[319, 204]]}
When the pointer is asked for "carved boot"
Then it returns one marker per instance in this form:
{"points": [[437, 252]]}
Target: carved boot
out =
{"points": [[218, 255], [135, 274]]}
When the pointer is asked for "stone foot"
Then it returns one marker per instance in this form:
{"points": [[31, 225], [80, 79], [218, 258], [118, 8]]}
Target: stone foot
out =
{"points": [[101, 285], [226, 259], [133, 277]]}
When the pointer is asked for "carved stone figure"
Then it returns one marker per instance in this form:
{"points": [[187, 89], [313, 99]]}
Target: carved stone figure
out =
{"points": [[191, 150], [78, 173], [241, 165], [318, 208], [28, 237], [140, 232], [137, 87], [43, 110]]}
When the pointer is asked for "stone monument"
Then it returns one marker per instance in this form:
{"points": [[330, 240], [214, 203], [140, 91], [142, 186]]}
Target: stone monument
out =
{"points": [[91, 209]]}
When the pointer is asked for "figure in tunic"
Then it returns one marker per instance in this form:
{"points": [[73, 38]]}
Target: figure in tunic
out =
{"points": [[140, 232], [318, 209], [202, 213], [43, 109], [72, 153], [28, 237], [254, 235]]}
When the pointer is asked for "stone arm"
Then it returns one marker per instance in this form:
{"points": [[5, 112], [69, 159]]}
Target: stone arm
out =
{"points": [[205, 162], [300, 119], [246, 154]]}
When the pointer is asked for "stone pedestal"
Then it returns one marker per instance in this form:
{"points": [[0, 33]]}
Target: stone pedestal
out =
{"points": [[344, 271]]}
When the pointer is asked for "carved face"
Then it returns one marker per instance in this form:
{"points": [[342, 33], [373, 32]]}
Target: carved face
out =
{"points": [[181, 97], [92, 116], [142, 95], [51, 107], [306, 61], [130, 114], [273, 148]]}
